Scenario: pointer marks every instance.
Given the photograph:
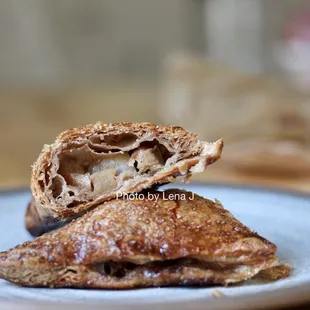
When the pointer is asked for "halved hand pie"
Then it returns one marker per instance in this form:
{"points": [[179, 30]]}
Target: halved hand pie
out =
{"points": [[139, 243], [91, 164]]}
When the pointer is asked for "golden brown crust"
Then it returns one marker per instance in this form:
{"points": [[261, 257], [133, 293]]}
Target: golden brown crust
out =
{"points": [[183, 274], [275, 273], [190, 156], [176, 135], [167, 226]]}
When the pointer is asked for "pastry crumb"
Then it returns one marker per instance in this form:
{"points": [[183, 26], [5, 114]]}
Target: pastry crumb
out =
{"points": [[275, 273], [216, 293]]}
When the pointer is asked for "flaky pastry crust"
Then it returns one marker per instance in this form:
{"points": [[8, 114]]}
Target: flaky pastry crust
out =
{"points": [[154, 241]]}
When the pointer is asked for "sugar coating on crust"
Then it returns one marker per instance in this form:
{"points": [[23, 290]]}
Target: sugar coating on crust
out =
{"points": [[151, 241]]}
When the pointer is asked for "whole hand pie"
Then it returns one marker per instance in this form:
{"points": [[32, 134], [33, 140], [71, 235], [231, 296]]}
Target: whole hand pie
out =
{"points": [[91, 164], [167, 238]]}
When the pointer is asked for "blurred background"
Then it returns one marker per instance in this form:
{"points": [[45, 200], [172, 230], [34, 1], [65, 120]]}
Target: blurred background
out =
{"points": [[236, 69]]}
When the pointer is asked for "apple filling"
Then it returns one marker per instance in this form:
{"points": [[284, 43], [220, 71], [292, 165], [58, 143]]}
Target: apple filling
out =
{"points": [[85, 173]]}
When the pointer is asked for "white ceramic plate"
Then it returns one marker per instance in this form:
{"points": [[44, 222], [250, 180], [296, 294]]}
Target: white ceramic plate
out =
{"points": [[283, 218]]}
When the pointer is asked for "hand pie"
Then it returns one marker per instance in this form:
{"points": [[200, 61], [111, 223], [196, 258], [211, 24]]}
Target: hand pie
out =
{"points": [[91, 164], [171, 238]]}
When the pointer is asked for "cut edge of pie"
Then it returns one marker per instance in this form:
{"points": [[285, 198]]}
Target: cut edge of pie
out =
{"points": [[91, 164]]}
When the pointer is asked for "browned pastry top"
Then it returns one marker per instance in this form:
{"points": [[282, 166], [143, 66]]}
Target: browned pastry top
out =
{"points": [[164, 226], [145, 230], [176, 135]]}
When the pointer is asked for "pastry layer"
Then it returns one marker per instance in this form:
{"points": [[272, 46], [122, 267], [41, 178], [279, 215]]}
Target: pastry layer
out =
{"points": [[114, 275]]}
